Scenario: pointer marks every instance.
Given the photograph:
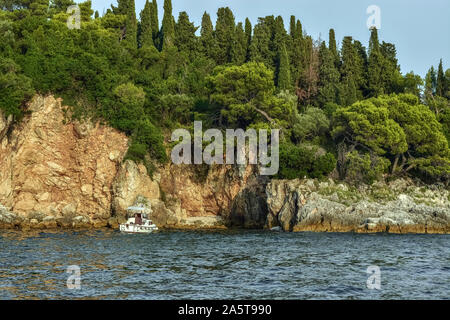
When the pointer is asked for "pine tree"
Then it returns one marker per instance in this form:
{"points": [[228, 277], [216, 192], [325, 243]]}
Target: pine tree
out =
{"points": [[224, 35], [284, 72], [146, 32], [87, 12], [61, 5], [329, 76], [239, 50], [39, 8], [167, 34], [185, 39], [207, 39], [121, 8], [440, 81]]}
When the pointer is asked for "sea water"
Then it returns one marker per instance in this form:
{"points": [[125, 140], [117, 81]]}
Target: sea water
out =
{"points": [[223, 265]]}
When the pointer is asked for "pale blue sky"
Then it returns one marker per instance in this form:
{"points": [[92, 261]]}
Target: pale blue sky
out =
{"points": [[420, 29]]}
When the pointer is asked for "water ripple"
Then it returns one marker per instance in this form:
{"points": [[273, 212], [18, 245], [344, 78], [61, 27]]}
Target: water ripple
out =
{"points": [[223, 265]]}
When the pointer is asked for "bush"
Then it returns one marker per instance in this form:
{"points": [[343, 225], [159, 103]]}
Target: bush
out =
{"points": [[304, 161], [310, 124], [148, 134], [136, 152], [365, 168], [15, 88]]}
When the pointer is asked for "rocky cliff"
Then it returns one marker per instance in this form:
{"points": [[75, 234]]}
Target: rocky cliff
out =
{"points": [[396, 207], [60, 173], [57, 173], [53, 169]]}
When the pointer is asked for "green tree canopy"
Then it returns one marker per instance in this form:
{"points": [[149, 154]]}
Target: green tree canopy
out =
{"points": [[397, 127]]}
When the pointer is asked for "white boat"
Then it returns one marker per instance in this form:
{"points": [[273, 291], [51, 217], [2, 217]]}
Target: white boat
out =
{"points": [[138, 221]]}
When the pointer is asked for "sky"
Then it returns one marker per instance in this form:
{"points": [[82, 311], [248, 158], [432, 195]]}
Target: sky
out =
{"points": [[420, 29]]}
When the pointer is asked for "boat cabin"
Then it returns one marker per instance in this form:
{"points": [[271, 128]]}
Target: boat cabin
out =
{"points": [[139, 214]]}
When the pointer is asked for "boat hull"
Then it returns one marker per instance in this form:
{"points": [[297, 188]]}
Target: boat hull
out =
{"points": [[140, 229]]}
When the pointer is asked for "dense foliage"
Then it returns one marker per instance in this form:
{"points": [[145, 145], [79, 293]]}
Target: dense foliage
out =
{"points": [[347, 109]]}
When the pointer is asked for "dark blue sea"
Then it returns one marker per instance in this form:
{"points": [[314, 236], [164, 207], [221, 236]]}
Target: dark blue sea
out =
{"points": [[223, 265]]}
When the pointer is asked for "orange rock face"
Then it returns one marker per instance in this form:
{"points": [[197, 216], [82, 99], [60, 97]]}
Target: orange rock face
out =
{"points": [[58, 169], [209, 193], [53, 167]]}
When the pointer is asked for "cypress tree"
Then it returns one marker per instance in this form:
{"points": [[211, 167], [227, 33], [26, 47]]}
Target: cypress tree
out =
{"points": [[351, 74], [390, 72], [146, 34], [129, 33], [292, 27], [155, 24], [298, 51], [430, 83], [225, 35], [167, 35], [375, 65], [281, 56], [329, 76], [374, 44], [284, 72], [239, 50], [362, 67], [307, 85], [260, 46], [131, 24], [207, 36], [440, 82], [299, 31], [185, 39], [279, 34], [248, 36], [447, 84], [333, 47]]}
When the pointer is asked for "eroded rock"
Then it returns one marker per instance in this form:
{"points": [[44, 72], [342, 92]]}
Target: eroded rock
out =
{"points": [[298, 205], [57, 167]]}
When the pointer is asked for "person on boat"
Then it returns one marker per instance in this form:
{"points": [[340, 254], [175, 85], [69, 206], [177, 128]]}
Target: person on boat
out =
{"points": [[138, 219]]}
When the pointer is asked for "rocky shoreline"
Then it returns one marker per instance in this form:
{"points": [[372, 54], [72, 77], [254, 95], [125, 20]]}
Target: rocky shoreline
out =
{"points": [[70, 175], [293, 206], [396, 207]]}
